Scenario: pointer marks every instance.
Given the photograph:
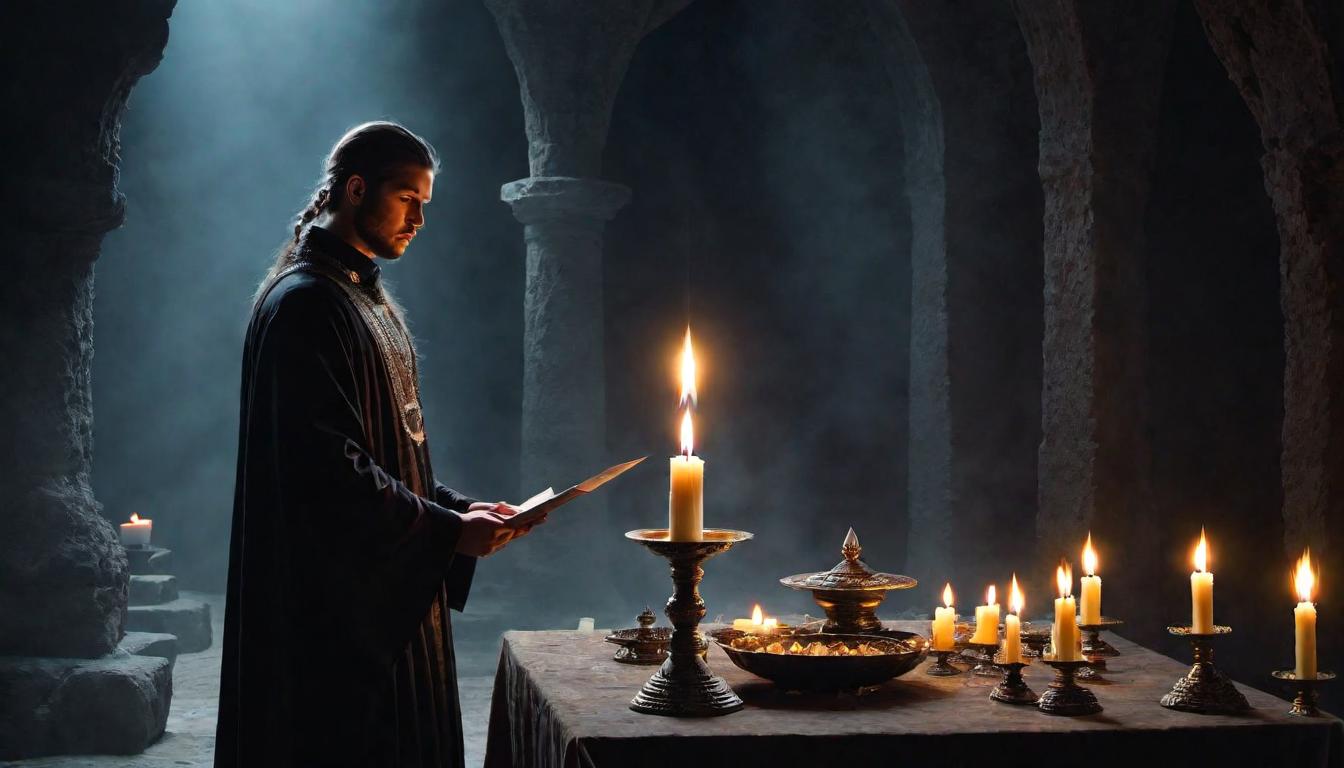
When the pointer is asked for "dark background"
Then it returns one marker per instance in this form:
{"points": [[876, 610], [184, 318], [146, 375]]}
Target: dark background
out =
{"points": [[763, 145]]}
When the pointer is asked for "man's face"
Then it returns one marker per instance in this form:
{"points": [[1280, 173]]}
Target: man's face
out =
{"points": [[389, 215]]}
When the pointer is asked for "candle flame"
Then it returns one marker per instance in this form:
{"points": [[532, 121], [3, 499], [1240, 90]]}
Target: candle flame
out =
{"points": [[991, 596], [1202, 553], [687, 434], [1015, 598], [756, 614], [1089, 557], [947, 595], [1305, 578], [688, 393], [1064, 578], [135, 518]]}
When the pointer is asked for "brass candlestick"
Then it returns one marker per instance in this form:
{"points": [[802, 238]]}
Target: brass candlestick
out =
{"points": [[1304, 705], [1065, 696], [1013, 689], [940, 667], [983, 656], [684, 686], [1096, 650], [1204, 689]]}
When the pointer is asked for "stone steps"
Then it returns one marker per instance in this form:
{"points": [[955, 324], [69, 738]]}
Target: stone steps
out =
{"points": [[149, 560], [153, 589], [188, 619]]}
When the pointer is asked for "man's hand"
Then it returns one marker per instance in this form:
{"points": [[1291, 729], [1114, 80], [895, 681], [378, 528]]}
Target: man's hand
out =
{"points": [[505, 510], [483, 532]]}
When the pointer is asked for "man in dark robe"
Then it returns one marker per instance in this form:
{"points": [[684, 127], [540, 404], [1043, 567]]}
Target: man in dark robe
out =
{"points": [[346, 554]]}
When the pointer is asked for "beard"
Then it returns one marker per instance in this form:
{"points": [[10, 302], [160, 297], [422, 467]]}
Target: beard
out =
{"points": [[380, 237]]}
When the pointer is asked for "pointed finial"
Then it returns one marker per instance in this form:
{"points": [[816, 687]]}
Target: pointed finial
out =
{"points": [[851, 548]]}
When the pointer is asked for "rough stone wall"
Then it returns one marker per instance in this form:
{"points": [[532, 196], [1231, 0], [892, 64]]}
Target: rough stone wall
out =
{"points": [[63, 575], [1098, 72]]}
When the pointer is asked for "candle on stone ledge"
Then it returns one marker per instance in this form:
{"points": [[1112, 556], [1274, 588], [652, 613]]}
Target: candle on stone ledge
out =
{"points": [[1089, 598], [1064, 633], [1304, 620], [686, 497], [987, 620], [136, 533], [1201, 590], [1012, 625], [945, 623]]}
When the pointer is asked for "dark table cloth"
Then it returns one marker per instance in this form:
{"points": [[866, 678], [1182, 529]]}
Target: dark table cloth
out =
{"points": [[560, 701]]}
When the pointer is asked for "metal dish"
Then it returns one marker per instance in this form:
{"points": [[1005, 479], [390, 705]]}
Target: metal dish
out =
{"points": [[903, 652]]}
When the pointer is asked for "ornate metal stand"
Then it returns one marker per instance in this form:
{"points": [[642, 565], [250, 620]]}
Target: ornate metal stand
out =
{"points": [[648, 644], [1305, 703], [983, 656], [1034, 639], [684, 686], [850, 592], [1096, 650], [1204, 689], [1013, 689], [1066, 697], [940, 667]]}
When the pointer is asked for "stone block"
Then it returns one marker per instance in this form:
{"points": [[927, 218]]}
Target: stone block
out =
{"points": [[149, 560], [153, 589], [158, 644], [116, 704], [188, 619]]}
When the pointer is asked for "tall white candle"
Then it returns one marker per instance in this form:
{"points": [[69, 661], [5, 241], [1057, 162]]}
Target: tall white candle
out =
{"points": [[1064, 633], [1201, 590], [945, 623], [1012, 626], [1304, 620], [686, 496], [137, 532], [1089, 598]]}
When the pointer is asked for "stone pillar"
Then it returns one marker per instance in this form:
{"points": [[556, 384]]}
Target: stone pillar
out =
{"points": [[570, 59], [1098, 73], [1278, 55], [70, 68], [975, 282]]}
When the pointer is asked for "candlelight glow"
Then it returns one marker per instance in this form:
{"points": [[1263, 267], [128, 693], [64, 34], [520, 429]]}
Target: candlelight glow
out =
{"points": [[1089, 557], [947, 595], [688, 394], [1305, 579], [1202, 553], [687, 434], [1015, 598], [135, 518], [1064, 578], [756, 614], [990, 595]]}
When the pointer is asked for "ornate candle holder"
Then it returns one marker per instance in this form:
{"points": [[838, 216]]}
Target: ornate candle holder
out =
{"points": [[1096, 650], [940, 666], [646, 645], [1064, 696], [983, 656], [1304, 705], [1204, 689], [850, 592], [1035, 637], [684, 686], [1013, 689]]}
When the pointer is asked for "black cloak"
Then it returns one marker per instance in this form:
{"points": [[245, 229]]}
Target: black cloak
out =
{"points": [[338, 648]]}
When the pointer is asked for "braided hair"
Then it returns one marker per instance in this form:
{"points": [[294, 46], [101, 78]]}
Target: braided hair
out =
{"points": [[372, 151]]}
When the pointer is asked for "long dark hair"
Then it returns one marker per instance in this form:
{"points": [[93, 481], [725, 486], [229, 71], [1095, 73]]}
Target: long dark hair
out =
{"points": [[372, 151]]}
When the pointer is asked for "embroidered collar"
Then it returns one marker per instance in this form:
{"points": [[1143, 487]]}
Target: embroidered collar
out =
{"points": [[360, 268]]}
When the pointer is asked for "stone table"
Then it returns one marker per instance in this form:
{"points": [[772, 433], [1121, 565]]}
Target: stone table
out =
{"points": [[560, 700]]}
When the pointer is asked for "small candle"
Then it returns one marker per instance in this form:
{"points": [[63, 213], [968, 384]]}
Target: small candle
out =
{"points": [[1201, 590], [770, 625], [686, 496], [1012, 626], [1064, 633], [1304, 620], [750, 625], [136, 533], [945, 623], [1089, 601], [987, 620]]}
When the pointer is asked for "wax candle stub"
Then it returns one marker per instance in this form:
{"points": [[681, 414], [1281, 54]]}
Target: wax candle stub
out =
{"points": [[1064, 637], [1012, 626], [945, 623], [137, 532], [987, 620], [1089, 598]]}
